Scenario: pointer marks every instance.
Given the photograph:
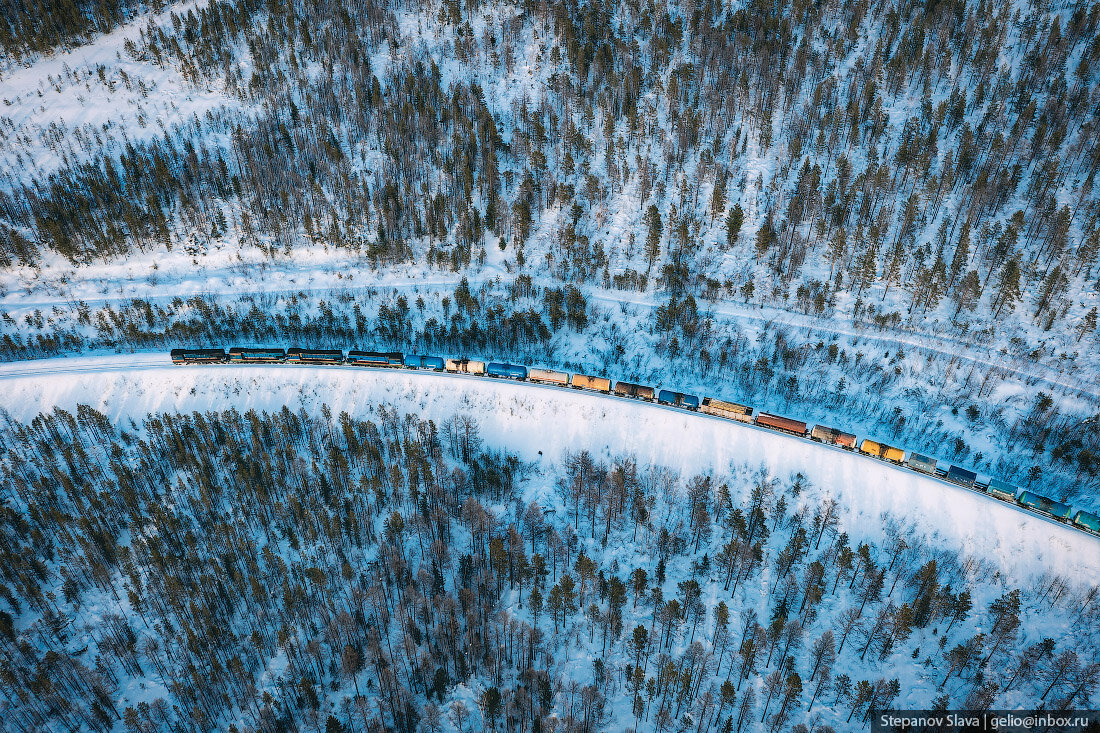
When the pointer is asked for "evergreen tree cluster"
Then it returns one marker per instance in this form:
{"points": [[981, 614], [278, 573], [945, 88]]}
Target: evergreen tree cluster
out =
{"points": [[283, 571], [940, 152]]}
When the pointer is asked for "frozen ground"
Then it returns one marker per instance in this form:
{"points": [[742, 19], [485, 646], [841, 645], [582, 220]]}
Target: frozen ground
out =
{"points": [[541, 423]]}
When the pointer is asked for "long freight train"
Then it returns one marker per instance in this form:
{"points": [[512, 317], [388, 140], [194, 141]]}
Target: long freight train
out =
{"points": [[1029, 500]]}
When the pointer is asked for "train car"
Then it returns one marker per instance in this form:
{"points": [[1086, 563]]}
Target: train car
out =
{"points": [[548, 376], [376, 358], [417, 361], [678, 399], [637, 391], [728, 410], [833, 436], [1001, 490], [962, 477], [595, 384], [508, 371], [881, 450], [198, 356], [238, 355], [314, 356], [1042, 504], [465, 366], [922, 463], [1087, 521], [780, 423]]}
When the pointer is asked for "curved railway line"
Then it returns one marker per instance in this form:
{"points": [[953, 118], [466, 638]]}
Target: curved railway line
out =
{"points": [[1024, 501]]}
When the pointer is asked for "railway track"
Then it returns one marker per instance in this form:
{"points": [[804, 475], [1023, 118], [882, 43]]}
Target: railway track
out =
{"points": [[145, 362]]}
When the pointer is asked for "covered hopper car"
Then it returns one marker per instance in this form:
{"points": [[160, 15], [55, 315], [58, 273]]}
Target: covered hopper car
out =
{"points": [[637, 391], [596, 384], [678, 399], [548, 376], [780, 423], [198, 356], [376, 358], [832, 436], [961, 476], [1002, 490], [728, 410], [465, 366], [238, 354], [314, 356], [922, 463]]}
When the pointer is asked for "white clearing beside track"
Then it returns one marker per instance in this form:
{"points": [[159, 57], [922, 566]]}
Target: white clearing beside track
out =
{"points": [[527, 418]]}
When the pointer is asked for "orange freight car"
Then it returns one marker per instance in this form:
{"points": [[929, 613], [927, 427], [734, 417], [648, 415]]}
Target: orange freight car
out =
{"points": [[780, 423]]}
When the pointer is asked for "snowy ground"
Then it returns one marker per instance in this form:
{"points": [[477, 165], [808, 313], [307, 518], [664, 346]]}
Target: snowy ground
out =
{"points": [[541, 423]]}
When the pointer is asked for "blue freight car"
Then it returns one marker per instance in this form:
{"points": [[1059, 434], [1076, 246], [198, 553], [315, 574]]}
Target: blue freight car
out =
{"points": [[424, 362], [961, 476], [678, 399], [1056, 509], [1087, 520], [376, 358], [1002, 490], [509, 371]]}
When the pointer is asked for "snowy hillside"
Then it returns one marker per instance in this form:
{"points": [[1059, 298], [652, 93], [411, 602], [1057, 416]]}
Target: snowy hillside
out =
{"points": [[880, 215], [469, 538], [911, 179]]}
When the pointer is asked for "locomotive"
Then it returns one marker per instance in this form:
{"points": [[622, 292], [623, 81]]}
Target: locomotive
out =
{"points": [[995, 488]]}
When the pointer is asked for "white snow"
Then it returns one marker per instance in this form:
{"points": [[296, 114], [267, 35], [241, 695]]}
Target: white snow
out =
{"points": [[526, 418]]}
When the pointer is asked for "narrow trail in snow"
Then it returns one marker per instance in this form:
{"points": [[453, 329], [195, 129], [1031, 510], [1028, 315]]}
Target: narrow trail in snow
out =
{"points": [[939, 345]]}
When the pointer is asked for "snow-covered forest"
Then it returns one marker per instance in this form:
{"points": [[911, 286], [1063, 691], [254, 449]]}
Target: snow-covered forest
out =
{"points": [[301, 570], [875, 214], [752, 199]]}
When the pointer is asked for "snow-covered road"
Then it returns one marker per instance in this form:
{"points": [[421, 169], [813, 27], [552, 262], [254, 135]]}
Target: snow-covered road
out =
{"points": [[541, 422]]}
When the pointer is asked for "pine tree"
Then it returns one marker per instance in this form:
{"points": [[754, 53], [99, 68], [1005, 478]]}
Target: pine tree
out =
{"points": [[734, 220], [1087, 325]]}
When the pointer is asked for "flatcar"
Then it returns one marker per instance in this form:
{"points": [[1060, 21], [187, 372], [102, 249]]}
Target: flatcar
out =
{"points": [[465, 366], [507, 371], [833, 436], [241, 355], [417, 361], [678, 399], [376, 358], [922, 463], [782, 424], [1002, 490], [961, 476], [1087, 521], [199, 356], [314, 356], [548, 376], [637, 391], [881, 450], [1043, 505], [728, 410], [595, 384]]}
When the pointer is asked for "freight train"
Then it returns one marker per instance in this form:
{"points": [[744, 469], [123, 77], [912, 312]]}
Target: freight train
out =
{"points": [[1029, 500]]}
